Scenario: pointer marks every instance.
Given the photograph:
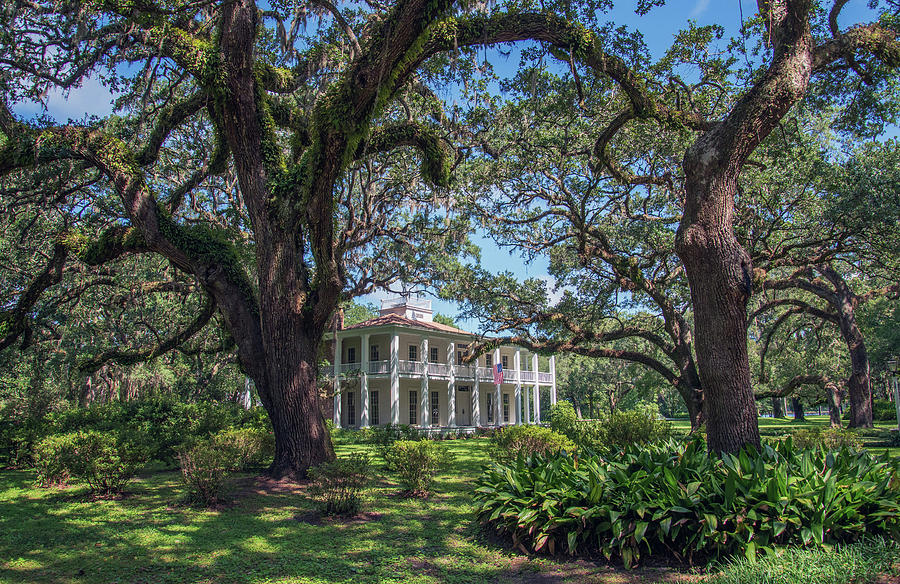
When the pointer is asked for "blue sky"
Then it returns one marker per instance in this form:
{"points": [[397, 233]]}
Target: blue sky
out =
{"points": [[658, 28]]}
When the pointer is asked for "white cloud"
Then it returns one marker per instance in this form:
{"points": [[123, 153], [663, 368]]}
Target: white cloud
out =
{"points": [[699, 8]]}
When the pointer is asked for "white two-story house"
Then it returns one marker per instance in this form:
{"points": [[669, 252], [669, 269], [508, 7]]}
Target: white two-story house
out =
{"points": [[404, 368]]}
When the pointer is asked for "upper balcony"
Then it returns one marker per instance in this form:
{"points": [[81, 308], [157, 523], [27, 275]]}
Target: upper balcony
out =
{"points": [[440, 371]]}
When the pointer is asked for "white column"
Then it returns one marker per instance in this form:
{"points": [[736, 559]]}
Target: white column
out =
{"points": [[498, 406], [476, 400], [424, 399], [536, 389], [552, 380], [451, 385], [395, 379], [364, 384], [517, 365], [337, 382]]}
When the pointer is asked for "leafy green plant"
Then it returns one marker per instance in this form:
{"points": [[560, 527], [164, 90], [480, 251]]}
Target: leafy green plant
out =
{"points": [[204, 467], [247, 446], [53, 459], [615, 431], [674, 498], [512, 441], [107, 462], [416, 463], [104, 460], [337, 486]]}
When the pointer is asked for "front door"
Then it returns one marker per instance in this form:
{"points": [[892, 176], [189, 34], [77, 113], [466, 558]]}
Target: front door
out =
{"points": [[463, 406]]}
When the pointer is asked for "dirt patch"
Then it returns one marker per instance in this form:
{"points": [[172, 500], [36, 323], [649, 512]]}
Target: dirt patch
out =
{"points": [[525, 571], [316, 518], [262, 485]]}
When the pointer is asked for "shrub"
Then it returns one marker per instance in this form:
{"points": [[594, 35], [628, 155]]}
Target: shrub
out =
{"points": [[673, 498], [618, 430], [204, 467], [337, 486], [563, 419], [107, 462], [512, 441], [246, 446], [626, 428], [53, 458], [416, 463], [828, 438], [104, 460]]}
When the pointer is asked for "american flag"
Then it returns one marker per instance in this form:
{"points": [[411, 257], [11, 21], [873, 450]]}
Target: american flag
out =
{"points": [[498, 374]]}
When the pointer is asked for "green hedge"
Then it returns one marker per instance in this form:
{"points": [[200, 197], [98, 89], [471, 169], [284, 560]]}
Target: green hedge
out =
{"points": [[673, 498], [167, 423]]}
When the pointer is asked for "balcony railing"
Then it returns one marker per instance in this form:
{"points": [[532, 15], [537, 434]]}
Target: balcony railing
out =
{"points": [[439, 371], [379, 367]]}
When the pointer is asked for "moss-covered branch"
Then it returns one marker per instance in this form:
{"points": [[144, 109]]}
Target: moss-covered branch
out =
{"points": [[437, 154]]}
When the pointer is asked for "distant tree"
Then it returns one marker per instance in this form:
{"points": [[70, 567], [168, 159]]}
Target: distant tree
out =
{"points": [[444, 319]]}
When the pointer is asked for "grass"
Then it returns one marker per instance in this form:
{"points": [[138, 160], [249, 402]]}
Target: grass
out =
{"points": [[874, 439], [860, 562], [52, 535], [62, 536]]}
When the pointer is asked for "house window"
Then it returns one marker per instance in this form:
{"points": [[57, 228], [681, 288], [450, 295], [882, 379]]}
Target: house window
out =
{"points": [[351, 408], [435, 409], [434, 354], [459, 357], [412, 408], [373, 408], [351, 354], [488, 360], [505, 361], [490, 408], [373, 353], [505, 408], [413, 353]]}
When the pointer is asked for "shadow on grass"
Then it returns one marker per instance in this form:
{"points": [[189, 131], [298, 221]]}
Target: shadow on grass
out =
{"points": [[49, 535]]}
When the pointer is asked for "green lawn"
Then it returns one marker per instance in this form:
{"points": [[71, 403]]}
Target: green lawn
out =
{"points": [[60, 535], [51, 535]]}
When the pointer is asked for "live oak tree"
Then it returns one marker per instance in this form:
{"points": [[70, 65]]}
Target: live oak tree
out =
{"points": [[292, 124], [806, 52], [815, 256], [540, 190], [286, 125]]}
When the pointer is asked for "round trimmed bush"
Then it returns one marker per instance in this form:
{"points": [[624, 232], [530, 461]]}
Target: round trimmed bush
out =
{"points": [[513, 441]]}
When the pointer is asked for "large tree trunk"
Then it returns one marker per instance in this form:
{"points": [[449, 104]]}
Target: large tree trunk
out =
{"points": [[718, 271], [797, 406], [777, 407], [859, 385], [834, 404]]}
